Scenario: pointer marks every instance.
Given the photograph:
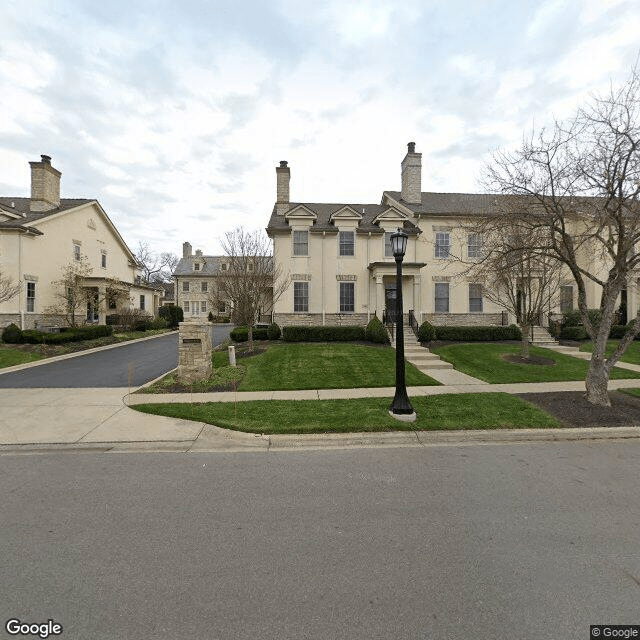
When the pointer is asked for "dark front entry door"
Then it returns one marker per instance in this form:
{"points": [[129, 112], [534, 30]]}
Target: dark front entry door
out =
{"points": [[390, 304]]}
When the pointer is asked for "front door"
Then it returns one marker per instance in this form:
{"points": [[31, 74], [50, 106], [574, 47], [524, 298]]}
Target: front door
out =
{"points": [[390, 304]]}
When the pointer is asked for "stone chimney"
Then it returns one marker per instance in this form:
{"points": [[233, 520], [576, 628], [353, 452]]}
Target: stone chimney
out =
{"points": [[187, 251], [283, 175], [412, 176], [45, 185]]}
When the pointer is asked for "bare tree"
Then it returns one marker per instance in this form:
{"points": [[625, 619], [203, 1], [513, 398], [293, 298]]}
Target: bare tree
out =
{"points": [[251, 282], [579, 184], [8, 288], [513, 272], [73, 292], [156, 267]]}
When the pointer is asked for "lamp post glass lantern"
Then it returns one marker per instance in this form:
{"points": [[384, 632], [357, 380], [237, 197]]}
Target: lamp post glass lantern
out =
{"points": [[400, 408]]}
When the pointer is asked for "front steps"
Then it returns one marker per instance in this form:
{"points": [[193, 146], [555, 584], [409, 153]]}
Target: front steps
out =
{"points": [[420, 356], [542, 338]]}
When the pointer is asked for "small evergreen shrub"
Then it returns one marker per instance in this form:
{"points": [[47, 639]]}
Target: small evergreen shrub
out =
{"points": [[323, 334], [376, 332], [573, 318], [426, 332], [210, 316], [172, 314], [273, 332], [12, 334], [71, 334]]}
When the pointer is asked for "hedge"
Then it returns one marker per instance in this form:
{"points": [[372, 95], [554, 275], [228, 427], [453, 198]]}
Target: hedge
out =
{"points": [[376, 332], [173, 315], [70, 334], [241, 334], [573, 333], [323, 334], [12, 334], [273, 331], [426, 332], [478, 334]]}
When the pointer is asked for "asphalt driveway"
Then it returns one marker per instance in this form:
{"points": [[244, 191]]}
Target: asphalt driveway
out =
{"points": [[128, 364]]}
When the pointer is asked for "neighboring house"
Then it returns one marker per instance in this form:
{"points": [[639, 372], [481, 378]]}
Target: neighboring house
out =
{"points": [[342, 271], [42, 234], [195, 283]]}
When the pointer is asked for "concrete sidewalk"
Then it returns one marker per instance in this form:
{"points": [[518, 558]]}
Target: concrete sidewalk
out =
{"points": [[34, 420]]}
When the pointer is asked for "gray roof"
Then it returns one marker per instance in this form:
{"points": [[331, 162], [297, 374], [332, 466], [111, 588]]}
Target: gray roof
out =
{"points": [[447, 204], [324, 212], [20, 206], [210, 266]]}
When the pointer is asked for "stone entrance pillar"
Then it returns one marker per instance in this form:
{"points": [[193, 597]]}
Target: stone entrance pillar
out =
{"points": [[194, 351]]}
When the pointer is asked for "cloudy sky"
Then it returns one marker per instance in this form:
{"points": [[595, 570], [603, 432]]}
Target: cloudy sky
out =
{"points": [[174, 114]]}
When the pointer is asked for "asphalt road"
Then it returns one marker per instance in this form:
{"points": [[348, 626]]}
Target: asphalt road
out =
{"points": [[128, 364], [442, 543]]}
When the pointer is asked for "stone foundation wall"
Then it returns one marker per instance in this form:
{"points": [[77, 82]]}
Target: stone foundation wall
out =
{"points": [[194, 351], [33, 320], [463, 319], [315, 319]]}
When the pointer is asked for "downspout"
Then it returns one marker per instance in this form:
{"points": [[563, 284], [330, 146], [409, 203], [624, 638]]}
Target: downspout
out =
{"points": [[368, 282], [20, 278], [324, 233]]}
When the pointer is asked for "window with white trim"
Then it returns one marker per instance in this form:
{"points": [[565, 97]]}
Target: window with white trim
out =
{"points": [[388, 249], [566, 298], [347, 297], [196, 266], [346, 243], [185, 305], [76, 251], [203, 306], [443, 244], [103, 259], [185, 287], [301, 297], [442, 297], [142, 302], [31, 297], [204, 287], [474, 245], [222, 308], [300, 243], [475, 298]]}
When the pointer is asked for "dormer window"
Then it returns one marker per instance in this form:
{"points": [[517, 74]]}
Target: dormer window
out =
{"points": [[224, 266], [196, 266]]}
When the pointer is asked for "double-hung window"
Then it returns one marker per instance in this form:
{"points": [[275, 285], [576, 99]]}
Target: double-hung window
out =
{"points": [[31, 297], [203, 306], [301, 297], [566, 298], [185, 287], [300, 243], [103, 260], [388, 249], [205, 287], [142, 303], [76, 251], [475, 298], [442, 297], [443, 244], [474, 245], [347, 297], [346, 242]]}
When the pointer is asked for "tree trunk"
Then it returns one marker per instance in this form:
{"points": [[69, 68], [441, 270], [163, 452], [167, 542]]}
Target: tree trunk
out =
{"points": [[597, 382], [250, 345], [524, 353]]}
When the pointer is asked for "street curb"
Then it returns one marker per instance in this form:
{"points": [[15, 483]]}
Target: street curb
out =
{"points": [[75, 354]]}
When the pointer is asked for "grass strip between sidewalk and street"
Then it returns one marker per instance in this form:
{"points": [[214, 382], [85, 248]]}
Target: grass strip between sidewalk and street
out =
{"points": [[12, 357], [486, 362], [440, 412]]}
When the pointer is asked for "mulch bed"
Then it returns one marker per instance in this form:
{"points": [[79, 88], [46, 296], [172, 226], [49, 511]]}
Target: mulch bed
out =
{"points": [[573, 410], [514, 358]]}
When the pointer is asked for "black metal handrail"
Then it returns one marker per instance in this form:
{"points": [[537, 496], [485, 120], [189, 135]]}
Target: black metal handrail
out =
{"points": [[413, 322]]}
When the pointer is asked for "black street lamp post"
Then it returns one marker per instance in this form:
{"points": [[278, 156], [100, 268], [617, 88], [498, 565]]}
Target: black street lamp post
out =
{"points": [[400, 408]]}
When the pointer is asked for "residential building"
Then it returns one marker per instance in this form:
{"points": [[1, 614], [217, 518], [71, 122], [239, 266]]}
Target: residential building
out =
{"points": [[342, 271], [43, 234]]}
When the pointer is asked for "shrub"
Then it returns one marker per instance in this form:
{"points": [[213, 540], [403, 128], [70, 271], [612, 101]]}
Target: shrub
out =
{"points": [[376, 332], [241, 334], [158, 323], [210, 316], [141, 325], [617, 331], [323, 334], [273, 332], [573, 333], [573, 318], [12, 334], [426, 332], [71, 334], [478, 334], [172, 314]]}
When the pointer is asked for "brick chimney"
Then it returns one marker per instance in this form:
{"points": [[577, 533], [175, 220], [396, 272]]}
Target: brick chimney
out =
{"points": [[283, 176], [187, 251], [45, 185], [412, 176]]}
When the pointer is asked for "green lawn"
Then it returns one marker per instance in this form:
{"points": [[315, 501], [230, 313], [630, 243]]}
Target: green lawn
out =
{"points": [[10, 357], [449, 411], [631, 355], [483, 361]]}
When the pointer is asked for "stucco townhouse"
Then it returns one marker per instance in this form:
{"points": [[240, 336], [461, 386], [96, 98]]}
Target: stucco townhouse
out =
{"points": [[341, 268], [42, 234]]}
